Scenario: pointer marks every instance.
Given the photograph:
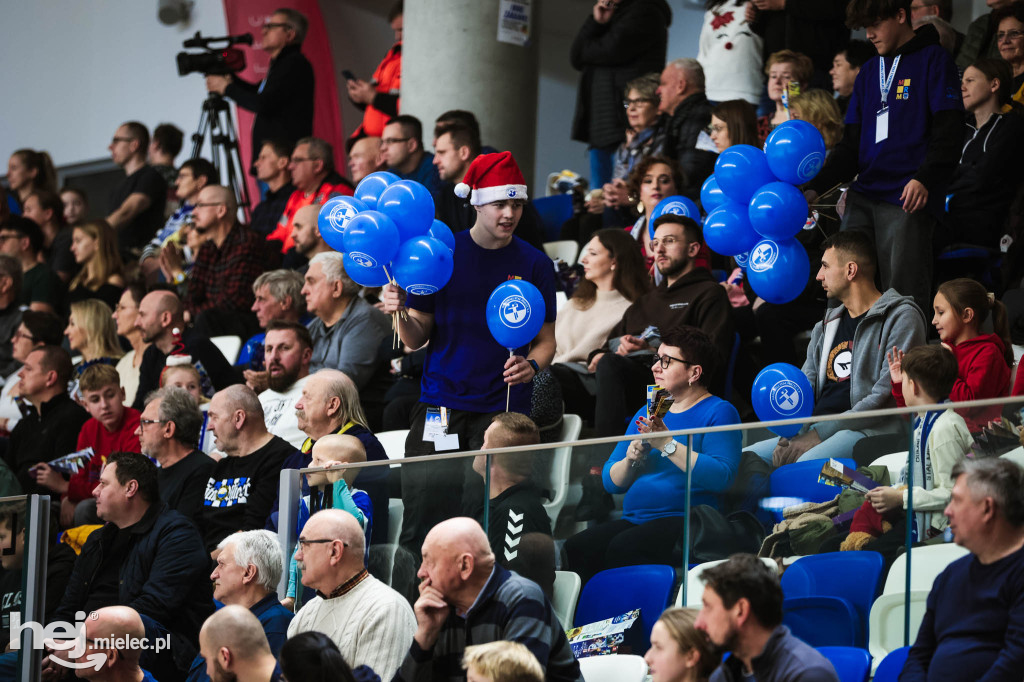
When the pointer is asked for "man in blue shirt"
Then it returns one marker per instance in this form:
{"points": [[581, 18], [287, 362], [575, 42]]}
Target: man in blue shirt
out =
{"points": [[904, 130], [467, 373], [402, 149], [972, 629]]}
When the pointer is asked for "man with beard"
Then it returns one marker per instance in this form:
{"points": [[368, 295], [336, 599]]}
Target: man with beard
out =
{"points": [[306, 234], [278, 296], [235, 647], [687, 295], [289, 348], [168, 432], [741, 612], [161, 319]]}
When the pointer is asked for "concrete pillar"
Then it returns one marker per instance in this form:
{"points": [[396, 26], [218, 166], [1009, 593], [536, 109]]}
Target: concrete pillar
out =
{"points": [[451, 59]]}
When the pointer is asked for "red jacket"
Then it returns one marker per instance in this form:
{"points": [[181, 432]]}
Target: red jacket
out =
{"points": [[298, 199], [387, 79], [103, 442], [983, 374]]}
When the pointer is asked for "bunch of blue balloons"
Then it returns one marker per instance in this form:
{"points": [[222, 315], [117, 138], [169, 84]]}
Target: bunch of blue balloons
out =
{"points": [[387, 231], [755, 209]]}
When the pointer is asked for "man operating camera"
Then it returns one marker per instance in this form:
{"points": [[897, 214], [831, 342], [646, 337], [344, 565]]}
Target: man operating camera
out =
{"points": [[283, 101]]}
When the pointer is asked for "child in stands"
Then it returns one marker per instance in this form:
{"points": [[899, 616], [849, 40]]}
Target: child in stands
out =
{"points": [[984, 360]]}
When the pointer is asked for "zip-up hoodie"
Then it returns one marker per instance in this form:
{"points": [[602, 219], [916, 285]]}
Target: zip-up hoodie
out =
{"points": [[893, 320]]}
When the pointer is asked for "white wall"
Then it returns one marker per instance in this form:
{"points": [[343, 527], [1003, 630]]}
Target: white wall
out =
{"points": [[73, 71]]}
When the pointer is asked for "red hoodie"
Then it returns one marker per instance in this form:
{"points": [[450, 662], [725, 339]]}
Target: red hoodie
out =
{"points": [[983, 374], [104, 442]]}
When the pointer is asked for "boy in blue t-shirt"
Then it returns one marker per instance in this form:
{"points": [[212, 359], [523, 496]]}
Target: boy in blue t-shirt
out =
{"points": [[904, 130], [467, 373]]}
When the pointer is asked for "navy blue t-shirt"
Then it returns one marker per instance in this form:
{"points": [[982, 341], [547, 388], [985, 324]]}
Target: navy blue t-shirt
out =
{"points": [[926, 82], [465, 365]]}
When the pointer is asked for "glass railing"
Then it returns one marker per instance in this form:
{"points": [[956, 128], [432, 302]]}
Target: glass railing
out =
{"points": [[24, 544], [545, 511]]}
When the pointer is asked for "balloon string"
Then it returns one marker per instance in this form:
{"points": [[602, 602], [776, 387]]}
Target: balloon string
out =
{"points": [[394, 282], [508, 392]]}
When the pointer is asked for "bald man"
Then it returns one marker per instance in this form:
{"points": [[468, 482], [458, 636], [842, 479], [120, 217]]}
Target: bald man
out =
{"points": [[306, 233], [160, 317], [459, 572], [370, 622], [219, 297], [235, 647], [242, 486], [121, 627], [364, 158]]}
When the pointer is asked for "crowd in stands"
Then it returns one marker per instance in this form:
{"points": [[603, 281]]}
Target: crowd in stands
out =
{"points": [[109, 308]]}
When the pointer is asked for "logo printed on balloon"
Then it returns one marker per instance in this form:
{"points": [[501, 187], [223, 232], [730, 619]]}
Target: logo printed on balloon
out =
{"points": [[763, 256], [675, 208], [742, 259], [811, 164], [362, 259], [422, 289], [341, 215], [514, 311], [786, 396]]}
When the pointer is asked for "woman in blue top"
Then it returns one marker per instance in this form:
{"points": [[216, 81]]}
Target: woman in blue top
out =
{"points": [[652, 473]]}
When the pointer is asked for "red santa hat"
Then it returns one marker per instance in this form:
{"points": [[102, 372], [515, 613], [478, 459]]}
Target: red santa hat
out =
{"points": [[490, 178]]}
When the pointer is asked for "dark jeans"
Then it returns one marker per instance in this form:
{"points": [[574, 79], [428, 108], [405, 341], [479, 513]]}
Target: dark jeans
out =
{"points": [[432, 492], [577, 399], [903, 244], [621, 390], [623, 543]]}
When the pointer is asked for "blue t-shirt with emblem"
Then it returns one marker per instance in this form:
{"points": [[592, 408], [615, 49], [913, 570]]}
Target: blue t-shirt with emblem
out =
{"points": [[925, 82], [465, 365]]}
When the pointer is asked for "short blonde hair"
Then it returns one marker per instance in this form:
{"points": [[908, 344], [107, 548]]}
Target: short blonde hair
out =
{"points": [[819, 108], [803, 67], [503, 661]]}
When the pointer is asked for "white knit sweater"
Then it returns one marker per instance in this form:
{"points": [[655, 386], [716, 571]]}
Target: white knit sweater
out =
{"points": [[577, 332], [372, 625]]}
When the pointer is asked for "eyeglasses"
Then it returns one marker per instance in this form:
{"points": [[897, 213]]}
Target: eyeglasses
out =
{"points": [[627, 103], [203, 204], [1008, 35], [666, 360], [304, 543], [147, 422], [275, 24], [116, 139], [715, 129], [120, 308], [393, 140], [666, 241], [18, 334], [5, 237], [301, 159]]}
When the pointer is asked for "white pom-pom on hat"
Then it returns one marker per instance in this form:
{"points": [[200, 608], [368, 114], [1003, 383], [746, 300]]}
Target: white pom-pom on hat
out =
{"points": [[462, 190]]}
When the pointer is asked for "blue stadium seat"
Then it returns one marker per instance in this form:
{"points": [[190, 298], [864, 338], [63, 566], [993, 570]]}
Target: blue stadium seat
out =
{"points": [[892, 665], [800, 479], [554, 211], [618, 590], [821, 621], [851, 664], [853, 576]]}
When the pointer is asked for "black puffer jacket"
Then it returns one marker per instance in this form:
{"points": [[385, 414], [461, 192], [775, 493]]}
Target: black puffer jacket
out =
{"points": [[632, 43]]}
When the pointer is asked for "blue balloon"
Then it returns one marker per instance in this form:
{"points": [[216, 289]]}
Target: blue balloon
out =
{"points": [[781, 391], [778, 211], [410, 205], [675, 205], [711, 195], [741, 259], [423, 265], [742, 170], [778, 270], [334, 215], [364, 276], [442, 233], [727, 230], [370, 188], [371, 239], [515, 313], [795, 151]]}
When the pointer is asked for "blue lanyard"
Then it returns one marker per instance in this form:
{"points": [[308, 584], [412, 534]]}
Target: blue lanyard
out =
{"points": [[885, 82]]}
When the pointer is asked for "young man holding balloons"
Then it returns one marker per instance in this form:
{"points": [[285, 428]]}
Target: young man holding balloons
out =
{"points": [[846, 364], [469, 376], [904, 131]]}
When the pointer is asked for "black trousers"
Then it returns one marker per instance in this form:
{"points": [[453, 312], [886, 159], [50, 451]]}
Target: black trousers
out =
{"points": [[432, 491], [621, 391], [623, 543]]}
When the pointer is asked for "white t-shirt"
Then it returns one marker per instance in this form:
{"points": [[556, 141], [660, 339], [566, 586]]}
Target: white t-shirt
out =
{"points": [[279, 413]]}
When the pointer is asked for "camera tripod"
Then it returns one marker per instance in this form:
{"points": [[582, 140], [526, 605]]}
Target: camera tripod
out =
{"points": [[215, 121]]}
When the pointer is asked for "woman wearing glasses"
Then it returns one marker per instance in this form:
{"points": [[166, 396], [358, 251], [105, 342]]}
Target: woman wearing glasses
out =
{"points": [[652, 473], [1010, 41]]}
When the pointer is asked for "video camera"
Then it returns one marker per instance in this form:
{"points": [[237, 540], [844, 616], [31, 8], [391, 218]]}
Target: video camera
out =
{"points": [[219, 61]]}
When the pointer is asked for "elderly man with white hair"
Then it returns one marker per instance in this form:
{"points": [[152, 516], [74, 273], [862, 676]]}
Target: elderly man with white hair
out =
{"points": [[371, 623], [248, 570], [347, 331]]}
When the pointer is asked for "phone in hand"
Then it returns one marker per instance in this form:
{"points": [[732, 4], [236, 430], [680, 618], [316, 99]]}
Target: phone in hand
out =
{"points": [[348, 75]]}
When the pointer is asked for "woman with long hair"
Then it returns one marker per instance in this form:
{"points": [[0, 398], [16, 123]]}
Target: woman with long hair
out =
{"points": [[679, 651], [29, 171], [613, 277], [92, 333], [94, 245], [652, 179], [125, 314], [733, 122]]}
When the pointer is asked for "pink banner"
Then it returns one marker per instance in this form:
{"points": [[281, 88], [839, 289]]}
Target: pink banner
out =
{"points": [[247, 16]]}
